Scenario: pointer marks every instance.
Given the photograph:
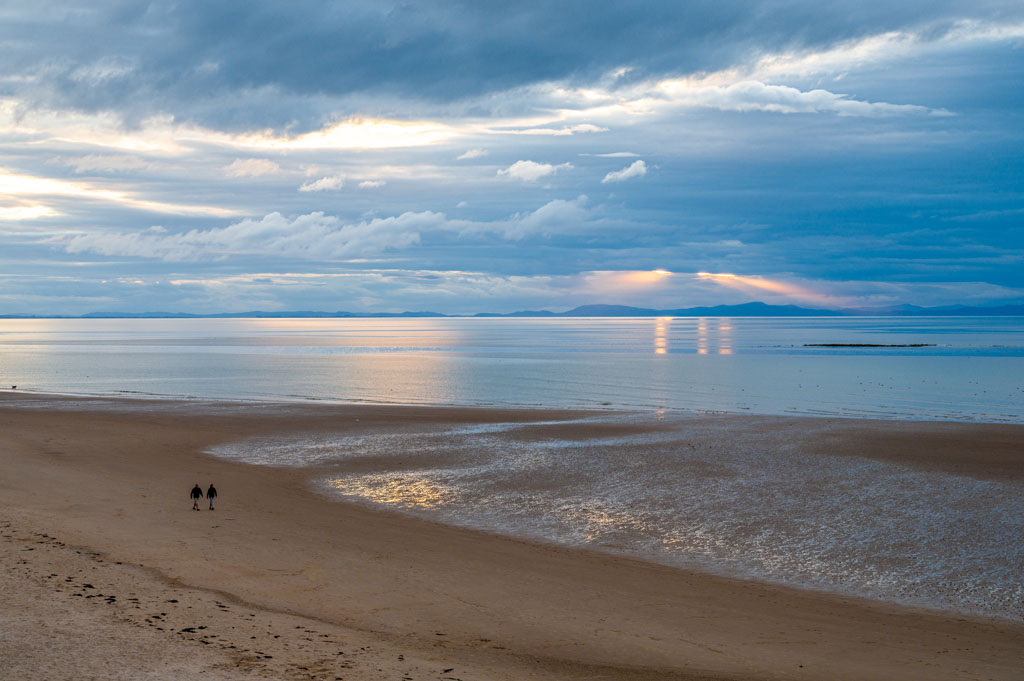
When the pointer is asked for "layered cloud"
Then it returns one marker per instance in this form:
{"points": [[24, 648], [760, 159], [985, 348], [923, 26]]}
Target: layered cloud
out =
{"points": [[752, 95], [319, 237], [312, 236], [457, 291], [105, 163], [870, 144], [179, 57]]}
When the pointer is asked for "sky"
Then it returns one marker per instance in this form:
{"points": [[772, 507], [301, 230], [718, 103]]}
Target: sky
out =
{"points": [[196, 156]]}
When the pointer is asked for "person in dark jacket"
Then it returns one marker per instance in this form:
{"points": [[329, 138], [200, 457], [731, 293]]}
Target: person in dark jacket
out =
{"points": [[211, 494], [197, 494]]}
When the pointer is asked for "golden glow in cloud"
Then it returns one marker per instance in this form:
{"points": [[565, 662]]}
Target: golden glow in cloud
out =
{"points": [[745, 283], [29, 212], [356, 134], [627, 279], [14, 186], [161, 134]]}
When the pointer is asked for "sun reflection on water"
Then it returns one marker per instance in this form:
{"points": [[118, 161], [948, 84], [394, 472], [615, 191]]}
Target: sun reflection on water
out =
{"points": [[402, 490], [661, 326], [714, 336]]}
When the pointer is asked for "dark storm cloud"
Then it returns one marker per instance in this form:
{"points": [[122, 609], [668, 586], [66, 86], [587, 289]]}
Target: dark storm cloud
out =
{"points": [[246, 64]]}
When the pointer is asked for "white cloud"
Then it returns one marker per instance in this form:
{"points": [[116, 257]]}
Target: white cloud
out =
{"points": [[30, 212], [371, 184], [554, 216], [752, 95], [530, 171], [635, 169], [316, 236], [883, 47], [758, 85], [558, 132], [104, 163], [313, 236], [331, 183], [29, 185], [472, 153], [355, 133], [250, 167]]}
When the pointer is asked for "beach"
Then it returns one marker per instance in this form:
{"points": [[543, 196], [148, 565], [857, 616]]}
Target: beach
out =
{"points": [[109, 574]]}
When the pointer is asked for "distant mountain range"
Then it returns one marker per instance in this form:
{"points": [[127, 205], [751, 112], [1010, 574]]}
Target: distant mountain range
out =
{"points": [[754, 309]]}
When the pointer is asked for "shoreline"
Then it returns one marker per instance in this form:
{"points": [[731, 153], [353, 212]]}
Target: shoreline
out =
{"points": [[115, 480], [593, 410]]}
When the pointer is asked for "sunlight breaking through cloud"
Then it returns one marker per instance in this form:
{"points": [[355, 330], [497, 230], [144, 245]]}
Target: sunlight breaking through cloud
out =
{"points": [[17, 185]]}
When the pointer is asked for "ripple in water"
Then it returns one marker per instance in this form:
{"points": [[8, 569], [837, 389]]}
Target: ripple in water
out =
{"points": [[738, 507]]}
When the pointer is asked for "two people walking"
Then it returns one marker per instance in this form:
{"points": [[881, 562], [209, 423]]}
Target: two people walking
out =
{"points": [[197, 494]]}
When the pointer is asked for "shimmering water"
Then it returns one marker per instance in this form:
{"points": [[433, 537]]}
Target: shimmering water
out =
{"points": [[741, 502], [973, 371]]}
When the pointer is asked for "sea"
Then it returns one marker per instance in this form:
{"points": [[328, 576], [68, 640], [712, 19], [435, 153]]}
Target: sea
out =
{"points": [[967, 369], [746, 508]]}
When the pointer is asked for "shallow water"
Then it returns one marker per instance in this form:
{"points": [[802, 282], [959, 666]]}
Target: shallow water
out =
{"points": [[974, 371], [742, 507]]}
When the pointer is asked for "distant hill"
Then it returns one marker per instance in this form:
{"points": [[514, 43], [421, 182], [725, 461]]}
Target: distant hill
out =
{"points": [[744, 310], [944, 311], [753, 309], [764, 309]]}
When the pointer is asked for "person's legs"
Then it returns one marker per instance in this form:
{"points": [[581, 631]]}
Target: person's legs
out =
{"points": [[211, 503]]}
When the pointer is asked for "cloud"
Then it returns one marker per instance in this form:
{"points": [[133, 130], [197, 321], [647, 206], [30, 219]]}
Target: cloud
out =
{"points": [[554, 132], [353, 133], [832, 148], [199, 61], [530, 171], [751, 95], [331, 183], [22, 185], [553, 217], [102, 70], [635, 169], [250, 167], [316, 236], [105, 163], [311, 236], [29, 212], [371, 184]]}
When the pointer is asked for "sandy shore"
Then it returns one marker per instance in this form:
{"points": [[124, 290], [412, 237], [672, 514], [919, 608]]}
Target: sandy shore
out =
{"points": [[108, 574]]}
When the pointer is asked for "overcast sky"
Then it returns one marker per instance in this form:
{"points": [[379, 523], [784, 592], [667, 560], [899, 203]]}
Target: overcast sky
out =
{"points": [[466, 156]]}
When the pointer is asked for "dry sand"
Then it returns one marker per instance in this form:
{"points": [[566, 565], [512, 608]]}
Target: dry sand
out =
{"points": [[107, 574]]}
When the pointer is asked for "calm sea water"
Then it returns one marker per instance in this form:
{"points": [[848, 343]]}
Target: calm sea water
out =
{"points": [[974, 371], [746, 506]]}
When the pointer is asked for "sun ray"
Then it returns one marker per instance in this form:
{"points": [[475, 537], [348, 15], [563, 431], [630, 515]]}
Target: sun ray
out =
{"points": [[778, 287]]}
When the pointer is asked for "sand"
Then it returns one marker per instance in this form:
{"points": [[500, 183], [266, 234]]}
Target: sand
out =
{"points": [[108, 574]]}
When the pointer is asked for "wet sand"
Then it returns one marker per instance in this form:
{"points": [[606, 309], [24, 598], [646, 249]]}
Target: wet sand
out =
{"points": [[107, 572]]}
